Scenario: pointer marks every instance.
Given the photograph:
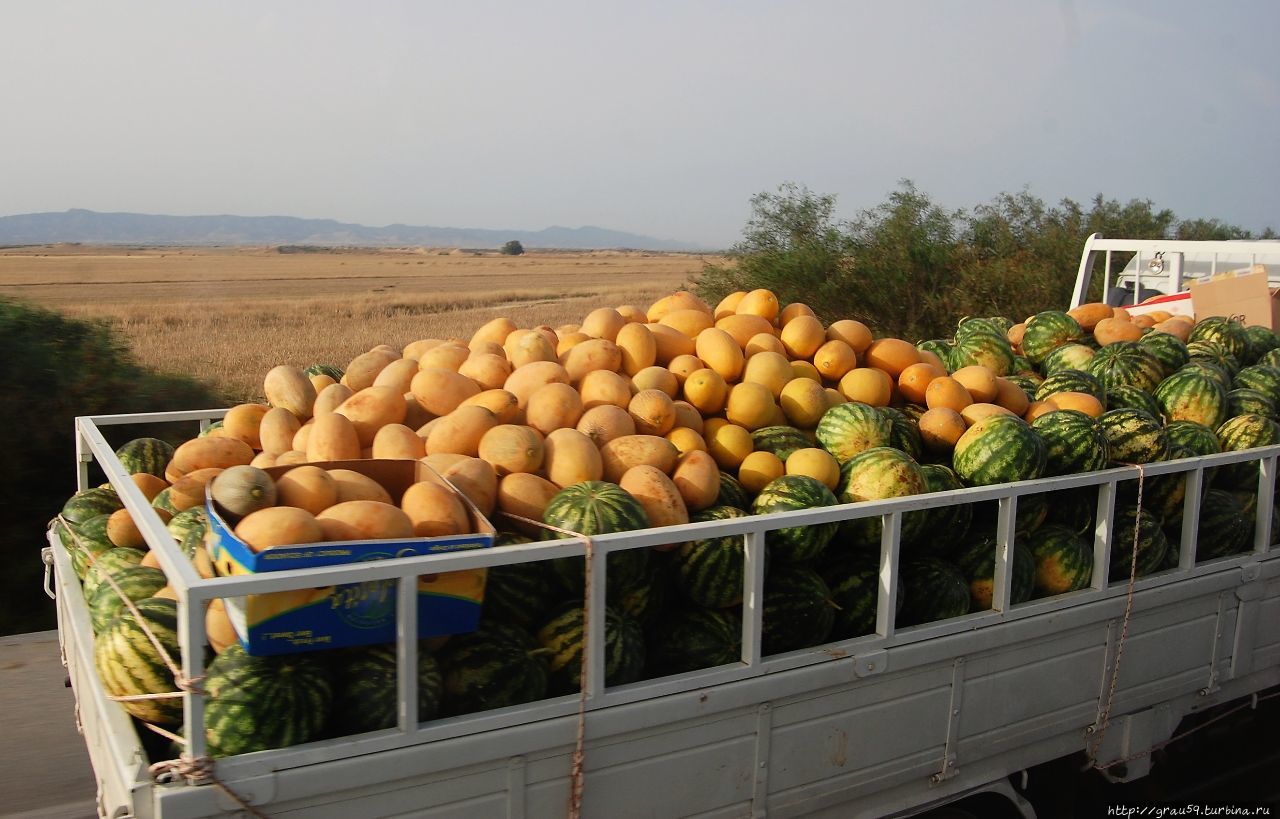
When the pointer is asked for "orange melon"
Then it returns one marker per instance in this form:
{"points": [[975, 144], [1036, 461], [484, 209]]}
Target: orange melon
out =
{"points": [[149, 485], [727, 305], [653, 412], [706, 391], [495, 330], [571, 457], [794, 309], [244, 421], [434, 510], [759, 302], [980, 382], [688, 322], [605, 422], [364, 368], [697, 479], [1088, 315], [603, 322], [364, 520], [868, 385], [279, 526], [414, 349], [720, 352], [638, 348], [686, 439], [604, 387], [687, 416], [592, 354], [440, 391], [893, 355], [769, 369], [682, 366], [656, 378], [940, 428], [474, 478], [371, 409], [1012, 397], [816, 463], [1038, 408], [804, 402], [553, 406], [758, 469], [743, 328], [525, 379], [398, 375], [668, 343], [632, 314], [622, 453], [914, 380], [352, 485], [330, 398], [307, 487], [504, 405], [512, 448], [729, 444], [802, 336], [276, 430], [489, 370], [979, 410], [679, 300], [833, 359], [398, 442], [332, 438], [1082, 401], [289, 387], [526, 496], [854, 333], [662, 502], [201, 453], [460, 431], [750, 406], [1110, 330]]}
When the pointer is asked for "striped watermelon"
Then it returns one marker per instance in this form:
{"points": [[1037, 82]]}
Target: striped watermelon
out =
{"points": [[1074, 442], [597, 508], [260, 703], [879, 473], [849, 428], [709, 571], [204, 433], [1236, 435], [90, 503], [1126, 397], [1027, 383], [939, 347], [129, 664], [1226, 526], [797, 610], [493, 667], [521, 594], [1032, 512], [137, 583], [1213, 354], [1070, 381], [1270, 358], [1074, 510], [1133, 436], [853, 578], [795, 544], [332, 370], [977, 562], [646, 602], [623, 647], [89, 538], [1227, 333], [1197, 437], [1047, 331], [1259, 341], [693, 637], [1168, 349], [780, 440], [1126, 363], [1214, 371], [110, 561], [145, 455], [1263, 378], [904, 433], [1191, 394], [1246, 401], [999, 449], [1063, 560], [1151, 541], [188, 521], [932, 589], [364, 689], [936, 531], [732, 493], [1023, 367], [982, 345], [1067, 357]]}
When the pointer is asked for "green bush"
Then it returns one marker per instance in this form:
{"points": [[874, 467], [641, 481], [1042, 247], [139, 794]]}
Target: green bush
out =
{"points": [[910, 268], [54, 369]]}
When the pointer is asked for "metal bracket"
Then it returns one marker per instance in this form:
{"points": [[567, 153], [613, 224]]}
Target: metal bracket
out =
{"points": [[949, 760], [870, 663], [46, 556], [1250, 572]]}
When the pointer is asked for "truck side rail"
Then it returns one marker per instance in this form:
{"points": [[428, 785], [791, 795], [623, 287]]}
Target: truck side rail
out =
{"points": [[1161, 262], [194, 592]]}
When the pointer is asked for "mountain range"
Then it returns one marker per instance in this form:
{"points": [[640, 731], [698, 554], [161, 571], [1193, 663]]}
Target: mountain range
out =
{"points": [[93, 227]]}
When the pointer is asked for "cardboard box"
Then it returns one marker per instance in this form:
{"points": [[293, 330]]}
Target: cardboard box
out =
{"points": [[1247, 297], [353, 613], [1178, 304]]}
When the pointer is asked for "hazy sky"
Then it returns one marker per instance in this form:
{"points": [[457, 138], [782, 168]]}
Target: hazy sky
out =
{"points": [[660, 118]]}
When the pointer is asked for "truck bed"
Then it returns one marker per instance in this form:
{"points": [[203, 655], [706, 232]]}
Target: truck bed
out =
{"points": [[878, 725]]}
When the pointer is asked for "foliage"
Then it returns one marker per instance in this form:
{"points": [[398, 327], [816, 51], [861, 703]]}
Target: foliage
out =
{"points": [[910, 268], [513, 248], [56, 369]]}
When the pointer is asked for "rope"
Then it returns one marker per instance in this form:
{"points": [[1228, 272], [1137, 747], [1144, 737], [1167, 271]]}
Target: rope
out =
{"points": [[577, 780]]}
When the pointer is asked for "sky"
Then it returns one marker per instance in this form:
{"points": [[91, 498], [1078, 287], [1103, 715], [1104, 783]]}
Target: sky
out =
{"points": [[659, 118]]}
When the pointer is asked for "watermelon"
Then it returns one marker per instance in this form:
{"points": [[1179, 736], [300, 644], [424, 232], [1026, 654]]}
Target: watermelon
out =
{"points": [[89, 538], [1074, 510], [109, 561], [936, 531], [260, 703], [90, 503], [1213, 354], [1246, 401], [1168, 349], [145, 455], [1126, 397], [1126, 363], [879, 473], [939, 347], [977, 561], [1196, 437], [780, 440], [693, 637], [1226, 526], [849, 428], [1259, 341], [1133, 436], [1191, 394], [332, 370], [1024, 368], [623, 647], [732, 493], [1063, 560], [1070, 381], [188, 521], [1240, 433], [1028, 384], [1227, 333], [204, 433], [1151, 541], [795, 544], [1260, 377], [999, 449], [1270, 358], [853, 578], [647, 601], [1067, 357], [364, 689], [1033, 510], [1046, 331], [932, 589], [137, 583], [597, 508], [129, 664], [797, 610], [904, 433], [709, 572], [1074, 442], [521, 594], [493, 667], [984, 345]]}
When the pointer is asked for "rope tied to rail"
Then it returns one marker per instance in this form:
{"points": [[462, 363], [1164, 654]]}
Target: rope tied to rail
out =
{"points": [[577, 780]]}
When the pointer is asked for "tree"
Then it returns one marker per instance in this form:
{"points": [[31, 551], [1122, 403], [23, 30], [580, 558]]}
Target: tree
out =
{"points": [[513, 248]]}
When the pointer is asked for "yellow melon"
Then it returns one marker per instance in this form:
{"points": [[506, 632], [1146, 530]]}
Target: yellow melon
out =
{"points": [[435, 510], [571, 457], [764, 343], [504, 405], [624, 452], [868, 385], [243, 421], [686, 439], [1081, 401], [149, 485], [553, 406], [802, 336], [371, 409], [697, 479], [668, 343], [332, 437], [706, 391], [804, 402], [1088, 315], [201, 453], [656, 378], [653, 412], [398, 442], [760, 302], [276, 430], [474, 478], [440, 391], [1012, 397], [307, 487], [490, 371], [682, 366], [495, 330], [758, 469], [750, 405], [512, 448], [330, 398], [769, 369], [794, 309], [352, 485], [525, 379], [979, 410], [816, 463], [604, 387], [688, 322], [603, 322], [914, 380], [632, 314], [940, 428], [605, 422], [460, 431], [679, 300], [743, 328], [398, 374], [729, 444], [834, 358], [364, 368], [279, 526], [289, 387], [720, 352], [364, 520], [655, 491], [414, 349], [728, 304], [687, 416], [637, 346], [854, 333]]}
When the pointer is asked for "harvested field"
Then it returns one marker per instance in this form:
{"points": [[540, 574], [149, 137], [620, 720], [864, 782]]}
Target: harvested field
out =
{"points": [[227, 315]]}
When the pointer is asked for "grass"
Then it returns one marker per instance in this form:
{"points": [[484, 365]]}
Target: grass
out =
{"points": [[228, 315]]}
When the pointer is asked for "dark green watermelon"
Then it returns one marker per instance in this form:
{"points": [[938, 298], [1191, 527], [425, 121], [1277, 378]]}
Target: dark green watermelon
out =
{"points": [[145, 455], [1168, 349], [1151, 543], [1124, 396], [520, 594], [1063, 560], [493, 667], [1236, 435], [562, 636], [1046, 331], [1133, 436], [937, 531], [798, 611], [1225, 332], [879, 473], [849, 428], [1067, 357], [977, 561], [90, 503], [1071, 381], [732, 493], [364, 689], [1247, 401], [904, 433], [853, 578], [1074, 442], [795, 544], [932, 589], [999, 449], [780, 440], [709, 572], [693, 637], [260, 703], [137, 583], [1126, 363], [597, 508]]}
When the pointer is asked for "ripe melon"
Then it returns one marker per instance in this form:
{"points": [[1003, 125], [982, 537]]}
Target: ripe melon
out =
{"points": [[638, 347], [279, 526], [526, 496], [397, 375], [332, 438], [553, 406], [307, 487], [276, 430], [371, 409], [620, 454], [488, 370], [697, 478], [434, 510], [605, 422], [802, 336], [440, 391], [720, 352], [653, 412], [593, 354], [603, 387], [656, 378], [398, 442], [571, 457], [512, 448], [241, 490], [364, 520], [352, 485], [460, 431], [660, 498], [603, 322], [289, 387], [743, 328]]}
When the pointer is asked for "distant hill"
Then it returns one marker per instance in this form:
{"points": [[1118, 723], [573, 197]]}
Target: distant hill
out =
{"points": [[92, 227]]}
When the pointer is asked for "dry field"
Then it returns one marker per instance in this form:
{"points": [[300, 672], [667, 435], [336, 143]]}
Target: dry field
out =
{"points": [[228, 315]]}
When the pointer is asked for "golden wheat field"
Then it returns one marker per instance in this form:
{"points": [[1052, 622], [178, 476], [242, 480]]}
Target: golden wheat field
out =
{"points": [[228, 315]]}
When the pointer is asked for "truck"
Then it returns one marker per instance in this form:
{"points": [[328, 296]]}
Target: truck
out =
{"points": [[897, 722]]}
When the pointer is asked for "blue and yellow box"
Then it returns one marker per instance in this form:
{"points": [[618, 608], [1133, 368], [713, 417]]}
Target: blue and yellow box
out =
{"points": [[349, 614]]}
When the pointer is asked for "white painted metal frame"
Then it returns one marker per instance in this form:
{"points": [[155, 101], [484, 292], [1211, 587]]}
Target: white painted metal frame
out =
{"points": [[867, 652], [1172, 278]]}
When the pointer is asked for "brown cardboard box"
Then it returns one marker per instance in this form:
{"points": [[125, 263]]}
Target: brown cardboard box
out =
{"points": [[1243, 296]]}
